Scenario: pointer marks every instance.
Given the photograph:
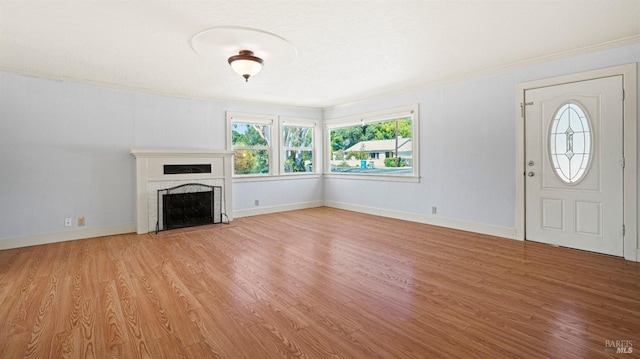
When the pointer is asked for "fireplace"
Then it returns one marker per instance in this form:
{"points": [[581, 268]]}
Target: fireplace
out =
{"points": [[189, 205], [181, 170]]}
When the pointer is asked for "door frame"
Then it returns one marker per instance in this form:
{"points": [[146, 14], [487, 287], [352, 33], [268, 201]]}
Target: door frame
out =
{"points": [[630, 119]]}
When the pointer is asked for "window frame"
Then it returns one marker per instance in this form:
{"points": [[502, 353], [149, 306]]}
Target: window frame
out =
{"points": [[376, 117], [276, 145], [238, 117], [299, 122]]}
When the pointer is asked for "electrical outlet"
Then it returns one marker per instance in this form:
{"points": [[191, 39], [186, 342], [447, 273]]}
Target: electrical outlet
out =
{"points": [[257, 202], [434, 210], [67, 222], [80, 221]]}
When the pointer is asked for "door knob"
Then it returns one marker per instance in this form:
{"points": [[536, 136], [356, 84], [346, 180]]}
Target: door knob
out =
{"points": [[530, 163], [530, 174]]}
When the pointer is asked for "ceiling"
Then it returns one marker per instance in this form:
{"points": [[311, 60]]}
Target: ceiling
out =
{"points": [[344, 51]]}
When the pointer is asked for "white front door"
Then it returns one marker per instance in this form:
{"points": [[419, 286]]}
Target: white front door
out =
{"points": [[573, 165]]}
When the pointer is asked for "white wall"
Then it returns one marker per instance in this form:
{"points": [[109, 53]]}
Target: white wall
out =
{"points": [[467, 148], [64, 152]]}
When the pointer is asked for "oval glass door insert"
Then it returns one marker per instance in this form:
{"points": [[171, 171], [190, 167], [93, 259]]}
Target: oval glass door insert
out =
{"points": [[570, 143]]}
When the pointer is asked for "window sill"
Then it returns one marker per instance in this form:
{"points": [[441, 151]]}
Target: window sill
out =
{"points": [[373, 177], [285, 177], [361, 177]]}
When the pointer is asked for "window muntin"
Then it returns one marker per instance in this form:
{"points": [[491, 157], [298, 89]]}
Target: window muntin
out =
{"points": [[297, 147], [570, 144], [250, 139], [267, 146], [380, 144]]}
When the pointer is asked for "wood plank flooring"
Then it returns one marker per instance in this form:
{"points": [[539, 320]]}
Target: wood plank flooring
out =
{"points": [[316, 283]]}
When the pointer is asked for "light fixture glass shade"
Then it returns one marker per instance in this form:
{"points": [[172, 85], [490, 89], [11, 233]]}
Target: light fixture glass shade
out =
{"points": [[246, 64], [246, 67]]}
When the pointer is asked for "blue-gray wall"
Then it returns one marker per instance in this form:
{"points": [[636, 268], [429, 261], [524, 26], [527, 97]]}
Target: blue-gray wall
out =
{"points": [[467, 145], [64, 149], [65, 152]]}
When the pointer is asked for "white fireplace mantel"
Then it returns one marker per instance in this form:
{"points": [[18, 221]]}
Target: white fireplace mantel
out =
{"points": [[150, 177]]}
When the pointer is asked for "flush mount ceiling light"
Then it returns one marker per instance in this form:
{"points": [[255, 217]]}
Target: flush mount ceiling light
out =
{"points": [[246, 64], [218, 43]]}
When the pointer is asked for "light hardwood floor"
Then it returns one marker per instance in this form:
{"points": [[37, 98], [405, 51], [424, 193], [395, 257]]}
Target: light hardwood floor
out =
{"points": [[317, 283]]}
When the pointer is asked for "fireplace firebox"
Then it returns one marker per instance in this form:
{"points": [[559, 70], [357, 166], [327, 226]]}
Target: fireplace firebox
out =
{"points": [[189, 205]]}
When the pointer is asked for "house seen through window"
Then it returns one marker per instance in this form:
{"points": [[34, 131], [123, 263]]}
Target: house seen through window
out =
{"points": [[373, 146]]}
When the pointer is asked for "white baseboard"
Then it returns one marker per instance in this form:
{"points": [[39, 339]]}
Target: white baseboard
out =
{"points": [[275, 209], [66, 236], [491, 230], [497, 231]]}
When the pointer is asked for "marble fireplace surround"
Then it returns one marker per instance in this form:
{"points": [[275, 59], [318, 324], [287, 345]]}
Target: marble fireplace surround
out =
{"points": [[150, 178]]}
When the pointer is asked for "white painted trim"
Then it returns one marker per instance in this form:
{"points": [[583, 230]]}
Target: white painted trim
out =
{"points": [[372, 177], [629, 74], [630, 85], [369, 117], [316, 145], [481, 228], [153, 152], [66, 236], [284, 177], [270, 120], [276, 209], [354, 208]]}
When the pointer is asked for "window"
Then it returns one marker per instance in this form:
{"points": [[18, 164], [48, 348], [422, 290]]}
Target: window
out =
{"points": [[570, 143], [354, 144], [265, 147], [251, 142], [297, 146]]}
